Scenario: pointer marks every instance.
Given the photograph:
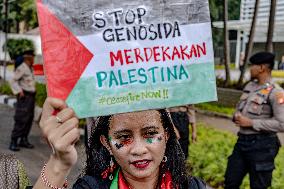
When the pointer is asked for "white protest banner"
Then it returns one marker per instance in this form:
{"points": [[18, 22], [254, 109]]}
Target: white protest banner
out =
{"points": [[107, 57]]}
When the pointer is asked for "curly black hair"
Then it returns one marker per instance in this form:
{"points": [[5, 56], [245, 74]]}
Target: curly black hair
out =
{"points": [[98, 157]]}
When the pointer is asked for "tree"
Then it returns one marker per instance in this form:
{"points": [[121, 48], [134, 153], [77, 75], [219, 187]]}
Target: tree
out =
{"points": [[216, 13], [20, 11], [269, 41], [29, 14], [226, 44], [249, 45], [16, 47]]}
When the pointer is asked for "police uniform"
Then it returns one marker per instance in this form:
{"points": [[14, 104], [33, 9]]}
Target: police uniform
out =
{"points": [[182, 116], [257, 146], [23, 81]]}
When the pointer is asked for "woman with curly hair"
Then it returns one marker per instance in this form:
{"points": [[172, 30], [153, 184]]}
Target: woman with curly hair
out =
{"points": [[126, 151]]}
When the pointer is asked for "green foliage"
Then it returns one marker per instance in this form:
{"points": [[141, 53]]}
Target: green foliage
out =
{"points": [[28, 12], [5, 89], [216, 13], [215, 107], [222, 67], [278, 73], [41, 94], [20, 11], [216, 9], [208, 158], [82, 123], [16, 47]]}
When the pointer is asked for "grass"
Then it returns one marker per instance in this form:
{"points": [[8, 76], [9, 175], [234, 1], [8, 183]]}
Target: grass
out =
{"points": [[278, 73], [214, 107], [5, 89], [222, 66], [208, 158]]}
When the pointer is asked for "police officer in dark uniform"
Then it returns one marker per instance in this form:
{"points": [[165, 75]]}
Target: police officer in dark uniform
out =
{"points": [[23, 85], [260, 115]]}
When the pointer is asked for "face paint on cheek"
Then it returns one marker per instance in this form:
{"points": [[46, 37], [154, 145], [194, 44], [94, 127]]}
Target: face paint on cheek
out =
{"points": [[114, 143], [119, 145], [155, 139]]}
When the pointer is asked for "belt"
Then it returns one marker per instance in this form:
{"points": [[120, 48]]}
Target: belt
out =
{"points": [[256, 136]]}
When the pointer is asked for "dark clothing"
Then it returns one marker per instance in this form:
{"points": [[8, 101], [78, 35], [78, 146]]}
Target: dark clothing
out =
{"points": [[253, 154], [89, 182], [181, 122], [24, 115]]}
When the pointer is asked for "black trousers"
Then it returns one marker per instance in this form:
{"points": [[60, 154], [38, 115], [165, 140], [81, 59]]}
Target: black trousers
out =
{"points": [[181, 122], [253, 154], [24, 115]]}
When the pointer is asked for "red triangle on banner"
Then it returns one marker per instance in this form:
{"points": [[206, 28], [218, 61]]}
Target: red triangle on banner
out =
{"points": [[65, 58]]}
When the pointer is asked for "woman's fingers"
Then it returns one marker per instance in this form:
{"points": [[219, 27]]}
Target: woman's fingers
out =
{"points": [[61, 130], [54, 134], [52, 122], [71, 137], [65, 128], [50, 105], [65, 115], [63, 144]]}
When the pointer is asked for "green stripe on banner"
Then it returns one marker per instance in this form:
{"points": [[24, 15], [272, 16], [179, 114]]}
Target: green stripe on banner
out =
{"points": [[200, 87]]}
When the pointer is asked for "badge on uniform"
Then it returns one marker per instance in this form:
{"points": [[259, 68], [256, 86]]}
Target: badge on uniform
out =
{"points": [[267, 90], [280, 97], [264, 91]]}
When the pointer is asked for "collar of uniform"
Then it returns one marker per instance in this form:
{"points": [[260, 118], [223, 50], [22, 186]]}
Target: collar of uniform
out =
{"points": [[266, 85]]}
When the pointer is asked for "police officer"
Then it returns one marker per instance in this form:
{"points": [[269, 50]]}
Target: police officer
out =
{"points": [[182, 116], [23, 85], [259, 115]]}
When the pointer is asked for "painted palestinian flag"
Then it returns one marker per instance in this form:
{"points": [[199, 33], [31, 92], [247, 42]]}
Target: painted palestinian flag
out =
{"points": [[105, 57]]}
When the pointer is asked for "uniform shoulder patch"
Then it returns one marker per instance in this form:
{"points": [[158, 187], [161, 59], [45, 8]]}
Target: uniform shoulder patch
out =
{"points": [[280, 97]]}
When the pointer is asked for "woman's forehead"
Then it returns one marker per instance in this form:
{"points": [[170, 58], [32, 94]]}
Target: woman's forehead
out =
{"points": [[142, 118]]}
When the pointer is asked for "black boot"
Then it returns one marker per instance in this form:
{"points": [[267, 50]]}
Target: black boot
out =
{"points": [[14, 145], [25, 143]]}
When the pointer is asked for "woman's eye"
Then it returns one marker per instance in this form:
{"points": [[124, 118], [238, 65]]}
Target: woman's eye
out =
{"points": [[150, 134], [124, 137]]}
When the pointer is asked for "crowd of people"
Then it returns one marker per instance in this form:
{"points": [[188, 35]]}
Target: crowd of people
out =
{"points": [[148, 149]]}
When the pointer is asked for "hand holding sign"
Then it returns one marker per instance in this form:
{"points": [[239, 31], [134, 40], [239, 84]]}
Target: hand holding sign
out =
{"points": [[61, 131]]}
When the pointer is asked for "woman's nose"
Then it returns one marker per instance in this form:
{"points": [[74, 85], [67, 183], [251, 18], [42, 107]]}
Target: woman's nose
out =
{"points": [[138, 147]]}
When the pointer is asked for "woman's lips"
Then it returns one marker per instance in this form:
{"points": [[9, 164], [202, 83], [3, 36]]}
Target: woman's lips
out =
{"points": [[141, 164]]}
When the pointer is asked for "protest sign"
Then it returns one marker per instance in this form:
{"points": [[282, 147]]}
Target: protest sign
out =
{"points": [[107, 57]]}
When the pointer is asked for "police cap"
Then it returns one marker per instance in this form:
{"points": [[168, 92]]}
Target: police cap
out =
{"points": [[262, 58]]}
